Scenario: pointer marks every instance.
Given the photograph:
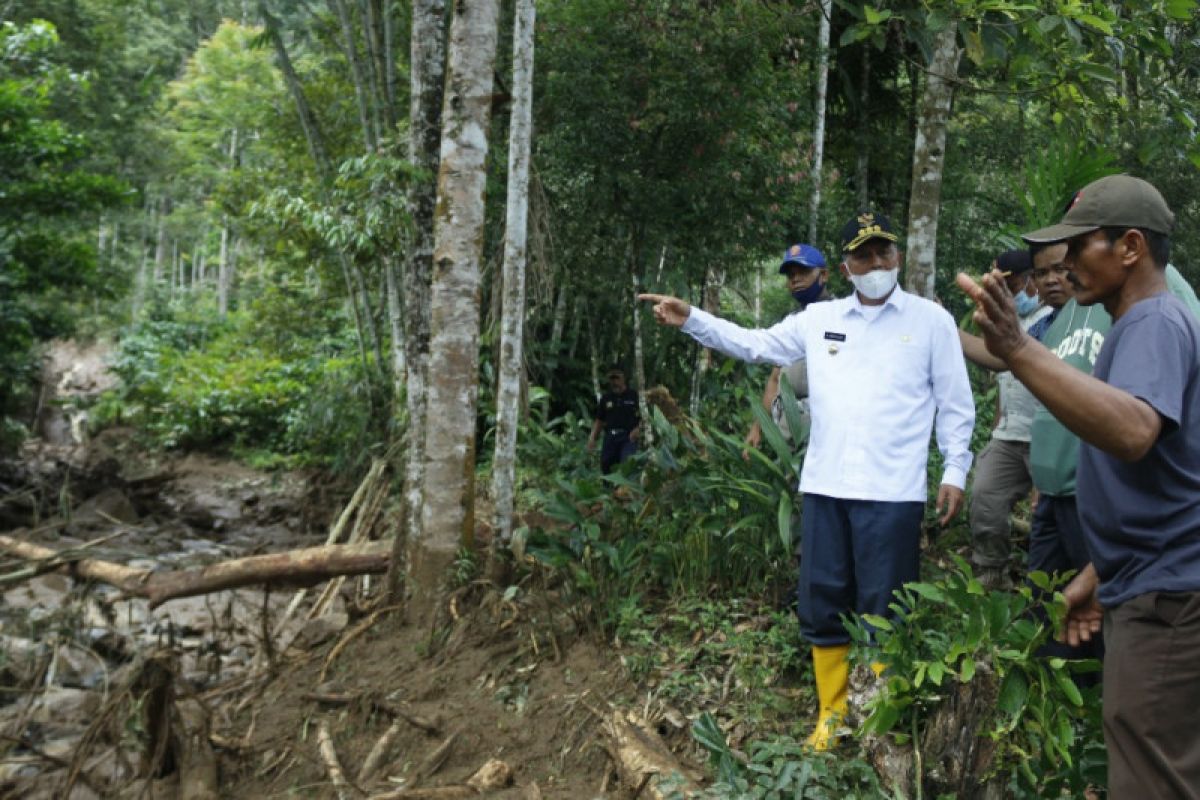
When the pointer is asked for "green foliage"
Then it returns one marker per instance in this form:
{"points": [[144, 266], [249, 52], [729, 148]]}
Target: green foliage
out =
{"points": [[46, 264], [951, 631], [782, 768], [700, 517], [191, 382]]}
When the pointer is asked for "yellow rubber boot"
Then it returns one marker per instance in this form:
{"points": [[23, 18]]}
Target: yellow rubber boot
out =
{"points": [[831, 666]]}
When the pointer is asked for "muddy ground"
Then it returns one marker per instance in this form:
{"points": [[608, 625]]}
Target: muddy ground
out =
{"points": [[99, 694]]}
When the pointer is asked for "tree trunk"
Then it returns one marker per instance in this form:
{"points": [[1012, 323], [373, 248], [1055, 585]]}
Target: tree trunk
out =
{"points": [[427, 59], [862, 167], [508, 394], [448, 509], [395, 307], [223, 270], [929, 152], [557, 324], [357, 77], [814, 209], [593, 359], [639, 358], [160, 248]]}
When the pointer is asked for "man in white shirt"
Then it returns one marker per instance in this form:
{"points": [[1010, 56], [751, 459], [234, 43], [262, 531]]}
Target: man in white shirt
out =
{"points": [[884, 366]]}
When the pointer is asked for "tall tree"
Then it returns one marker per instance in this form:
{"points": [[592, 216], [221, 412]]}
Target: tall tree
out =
{"points": [[929, 154], [814, 211], [426, 71], [448, 502], [508, 392]]}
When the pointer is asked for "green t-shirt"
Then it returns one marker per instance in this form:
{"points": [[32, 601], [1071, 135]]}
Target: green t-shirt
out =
{"points": [[1075, 337]]}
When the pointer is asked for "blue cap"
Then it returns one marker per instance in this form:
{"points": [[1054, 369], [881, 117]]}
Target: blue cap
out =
{"points": [[803, 254]]}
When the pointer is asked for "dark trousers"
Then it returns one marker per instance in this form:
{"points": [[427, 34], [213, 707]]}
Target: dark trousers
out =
{"points": [[616, 448], [1001, 479], [856, 554], [1151, 696], [1056, 544]]}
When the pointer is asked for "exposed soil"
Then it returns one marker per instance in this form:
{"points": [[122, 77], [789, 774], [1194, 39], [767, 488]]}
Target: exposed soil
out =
{"points": [[510, 675]]}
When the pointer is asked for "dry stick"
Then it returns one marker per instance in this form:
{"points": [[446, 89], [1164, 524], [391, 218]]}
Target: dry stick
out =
{"points": [[379, 752], [334, 534], [334, 767], [354, 633], [371, 505], [392, 709], [434, 761]]}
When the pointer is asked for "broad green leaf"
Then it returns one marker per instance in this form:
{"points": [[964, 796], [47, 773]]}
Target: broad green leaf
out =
{"points": [[1068, 686], [1099, 24], [874, 16], [878, 622], [1181, 9], [1013, 693], [927, 590], [784, 519]]}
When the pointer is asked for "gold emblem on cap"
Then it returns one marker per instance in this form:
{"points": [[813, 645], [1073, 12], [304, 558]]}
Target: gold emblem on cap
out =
{"points": [[866, 219]]}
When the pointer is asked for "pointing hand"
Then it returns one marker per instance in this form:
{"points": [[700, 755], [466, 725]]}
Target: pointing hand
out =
{"points": [[668, 310], [995, 313]]}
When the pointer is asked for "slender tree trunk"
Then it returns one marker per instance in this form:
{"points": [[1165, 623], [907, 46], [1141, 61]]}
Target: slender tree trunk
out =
{"points": [[223, 270], [160, 248], [374, 78], [593, 358], [395, 307], [862, 167], [814, 209], [758, 299], [557, 324], [929, 153], [356, 74], [427, 60], [508, 394], [639, 357], [448, 509], [139, 287]]}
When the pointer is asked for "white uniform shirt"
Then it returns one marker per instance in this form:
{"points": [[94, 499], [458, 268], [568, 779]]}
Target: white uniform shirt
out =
{"points": [[876, 375]]}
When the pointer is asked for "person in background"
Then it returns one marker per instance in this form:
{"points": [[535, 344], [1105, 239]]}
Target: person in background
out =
{"points": [[884, 367], [617, 417], [804, 267], [1138, 478], [1002, 475]]}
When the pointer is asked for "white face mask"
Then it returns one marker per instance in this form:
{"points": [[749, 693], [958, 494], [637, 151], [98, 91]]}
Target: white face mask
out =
{"points": [[876, 284]]}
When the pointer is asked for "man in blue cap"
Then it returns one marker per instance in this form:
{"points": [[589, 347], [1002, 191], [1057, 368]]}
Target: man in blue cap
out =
{"points": [[806, 273]]}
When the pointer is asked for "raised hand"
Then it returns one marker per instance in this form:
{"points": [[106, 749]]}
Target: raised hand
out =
{"points": [[668, 310], [995, 313]]}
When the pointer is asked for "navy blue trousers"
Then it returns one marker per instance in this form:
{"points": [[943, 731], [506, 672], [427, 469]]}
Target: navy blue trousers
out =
{"points": [[617, 447], [856, 553]]}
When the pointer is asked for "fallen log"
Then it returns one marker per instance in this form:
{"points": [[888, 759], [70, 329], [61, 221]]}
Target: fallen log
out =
{"points": [[308, 565], [127, 579]]}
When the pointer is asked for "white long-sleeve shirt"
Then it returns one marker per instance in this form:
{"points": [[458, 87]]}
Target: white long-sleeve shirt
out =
{"points": [[876, 376]]}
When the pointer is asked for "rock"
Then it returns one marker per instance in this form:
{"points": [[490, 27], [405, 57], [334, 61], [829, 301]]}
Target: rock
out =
{"points": [[62, 708], [110, 503], [319, 630]]}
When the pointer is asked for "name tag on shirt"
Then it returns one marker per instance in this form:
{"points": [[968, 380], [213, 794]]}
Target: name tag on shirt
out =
{"points": [[835, 337]]}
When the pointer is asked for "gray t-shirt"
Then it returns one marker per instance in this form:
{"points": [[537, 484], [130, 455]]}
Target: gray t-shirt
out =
{"points": [[1142, 519], [1017, 404]]}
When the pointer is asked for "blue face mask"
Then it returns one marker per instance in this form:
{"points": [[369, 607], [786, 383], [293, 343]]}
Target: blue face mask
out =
{"points": [[1025, 304], [809, 295]]}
